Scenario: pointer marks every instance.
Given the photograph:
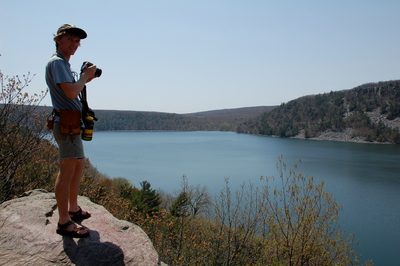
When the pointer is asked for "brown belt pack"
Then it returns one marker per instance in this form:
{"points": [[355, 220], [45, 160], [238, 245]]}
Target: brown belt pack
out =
{"points": [[70, 122]]}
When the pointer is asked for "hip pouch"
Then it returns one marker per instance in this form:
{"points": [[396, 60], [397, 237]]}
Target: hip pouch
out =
{"points": [[70, 122]]}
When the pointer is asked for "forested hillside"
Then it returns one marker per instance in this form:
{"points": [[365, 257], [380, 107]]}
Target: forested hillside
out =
{"points": [[370, 112], [224, 120], [135, 120]]}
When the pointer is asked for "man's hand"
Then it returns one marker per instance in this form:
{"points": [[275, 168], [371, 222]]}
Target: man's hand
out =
{"points": [[88, 73], [72, 90]]}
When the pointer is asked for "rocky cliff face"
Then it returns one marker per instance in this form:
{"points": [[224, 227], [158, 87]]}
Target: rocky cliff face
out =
{"points": [[28, 236]]}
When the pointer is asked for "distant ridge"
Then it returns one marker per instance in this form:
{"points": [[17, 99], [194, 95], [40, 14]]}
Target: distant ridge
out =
{"points": [[216, 120], [242, 112]]}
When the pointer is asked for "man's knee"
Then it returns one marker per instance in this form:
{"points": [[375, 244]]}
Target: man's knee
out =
{"points": [[80, 161], [71, 163]]}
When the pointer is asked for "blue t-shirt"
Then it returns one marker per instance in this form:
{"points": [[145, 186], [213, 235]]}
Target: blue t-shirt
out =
{"points": [[58, 70]]}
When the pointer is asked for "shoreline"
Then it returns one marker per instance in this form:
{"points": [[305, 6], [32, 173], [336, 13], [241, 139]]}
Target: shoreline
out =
{"points": [[344, 136]]}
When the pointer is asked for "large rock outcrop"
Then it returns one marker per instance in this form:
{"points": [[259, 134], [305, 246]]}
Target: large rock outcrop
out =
{"points": [[28, 236]]}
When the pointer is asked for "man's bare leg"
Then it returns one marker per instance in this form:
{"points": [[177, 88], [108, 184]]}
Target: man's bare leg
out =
{"points": [[75, 183], [68, 167], [62, 188]]}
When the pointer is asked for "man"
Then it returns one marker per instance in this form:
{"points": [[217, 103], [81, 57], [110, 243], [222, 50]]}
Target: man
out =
{"points": [[64, 91]]}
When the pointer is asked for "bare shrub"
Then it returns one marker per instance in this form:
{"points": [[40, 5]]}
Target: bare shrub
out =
{"points": [[302, 222], [21, 129]]}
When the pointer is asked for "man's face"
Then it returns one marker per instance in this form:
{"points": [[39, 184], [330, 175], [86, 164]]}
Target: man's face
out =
{"points": [[68, 44]]}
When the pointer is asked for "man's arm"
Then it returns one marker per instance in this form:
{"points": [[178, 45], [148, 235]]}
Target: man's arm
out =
{"points": [[72, 90]]}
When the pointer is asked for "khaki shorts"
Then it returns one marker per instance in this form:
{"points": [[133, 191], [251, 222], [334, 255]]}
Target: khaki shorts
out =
{"points": [[68, 146]]}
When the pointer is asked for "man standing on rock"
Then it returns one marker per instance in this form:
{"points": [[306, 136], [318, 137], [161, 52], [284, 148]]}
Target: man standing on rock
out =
{"points": [[64, 91]]}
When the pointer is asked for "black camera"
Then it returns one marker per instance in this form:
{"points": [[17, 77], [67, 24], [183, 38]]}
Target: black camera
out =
{"points": [[88, 64]]}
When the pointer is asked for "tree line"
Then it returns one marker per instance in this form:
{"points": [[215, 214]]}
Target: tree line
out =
{"points": [[109, 120], [218, 120], [137, 120]]}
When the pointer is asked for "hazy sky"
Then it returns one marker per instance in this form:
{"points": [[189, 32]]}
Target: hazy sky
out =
{"points": [[189, 56]]}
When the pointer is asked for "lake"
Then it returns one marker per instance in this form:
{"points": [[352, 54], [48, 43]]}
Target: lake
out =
{"points": [[363, 178]]}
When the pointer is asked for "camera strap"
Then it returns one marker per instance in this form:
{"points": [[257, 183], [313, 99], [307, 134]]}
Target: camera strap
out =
{"points": [[85, 106], [83, 99]]}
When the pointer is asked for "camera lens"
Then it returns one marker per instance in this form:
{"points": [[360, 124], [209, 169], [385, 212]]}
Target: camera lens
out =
{"points": [[98, 72]]}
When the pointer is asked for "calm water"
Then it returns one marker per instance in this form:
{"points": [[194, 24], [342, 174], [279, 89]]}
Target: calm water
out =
{"points": [[363, 178]]}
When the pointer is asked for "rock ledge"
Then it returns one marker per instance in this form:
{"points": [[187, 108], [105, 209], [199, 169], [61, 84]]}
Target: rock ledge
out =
{"points": [[28, 236]]}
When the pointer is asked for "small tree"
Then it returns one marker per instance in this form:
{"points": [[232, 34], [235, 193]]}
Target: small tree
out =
{"points": [[180, 207], [21, 128], [189, 204], [123, 187], [237, 228], [146, 200], [302, 222], [195, 198]]}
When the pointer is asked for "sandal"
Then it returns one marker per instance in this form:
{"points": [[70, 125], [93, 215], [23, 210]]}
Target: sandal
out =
{"points": [[79, 215], [62, 229]]}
